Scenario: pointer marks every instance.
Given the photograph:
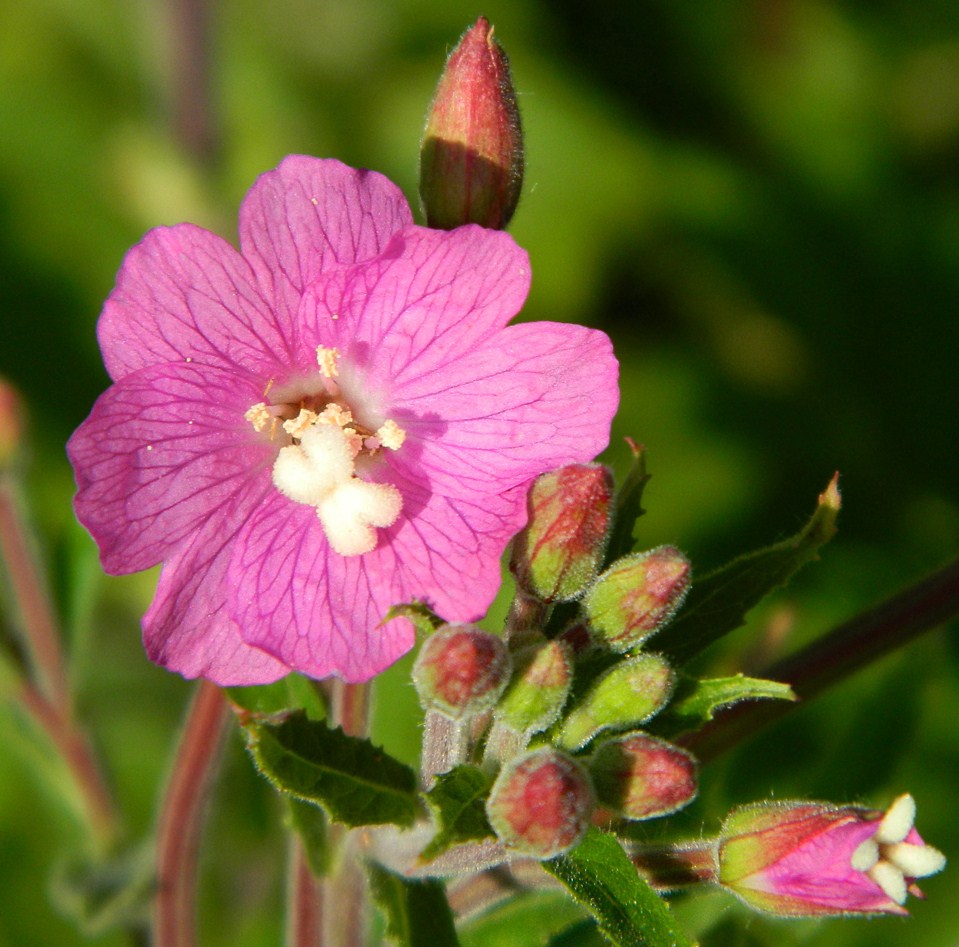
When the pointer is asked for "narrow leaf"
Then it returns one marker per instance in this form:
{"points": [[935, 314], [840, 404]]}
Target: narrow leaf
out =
{"points": [[546, 912], [628, 508], [600, 876], [718, 602], [356, 782], [457, 803], [695, 702], [417, 913]]}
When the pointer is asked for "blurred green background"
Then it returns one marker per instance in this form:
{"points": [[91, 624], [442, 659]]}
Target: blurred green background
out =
{"points": [[758, 200]]}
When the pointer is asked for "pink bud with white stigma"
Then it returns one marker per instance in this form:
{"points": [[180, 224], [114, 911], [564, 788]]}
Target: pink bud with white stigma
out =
{"points": [[797, 859], [541, 803]]}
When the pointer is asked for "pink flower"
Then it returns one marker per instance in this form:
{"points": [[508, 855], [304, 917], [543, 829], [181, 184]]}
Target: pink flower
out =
{"points": [[801, 859], [332, 421]]}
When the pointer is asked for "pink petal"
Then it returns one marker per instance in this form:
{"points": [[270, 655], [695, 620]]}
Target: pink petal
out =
{"points": [[432, 298], [535, 397], [163, 450], [188, 627], [310, 215], [183, 294]]}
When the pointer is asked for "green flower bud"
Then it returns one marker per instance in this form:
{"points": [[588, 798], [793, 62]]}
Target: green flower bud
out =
{"points": [[471, 158], [538, 690], [625, 696], [640, 777], [636, 596], [541, 803], [461, 670], [556, 556]]}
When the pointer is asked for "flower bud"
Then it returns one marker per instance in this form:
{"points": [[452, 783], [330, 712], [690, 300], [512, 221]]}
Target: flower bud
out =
{"points": [[556, 556], [636, 596], [471, 158], [640, 777], [797, 859], [625, 696], [461, 670], [541, 803], [538, 690]]}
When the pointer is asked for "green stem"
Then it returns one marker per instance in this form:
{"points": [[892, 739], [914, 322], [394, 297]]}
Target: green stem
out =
{"points": [[179, 827], [837, 655]]}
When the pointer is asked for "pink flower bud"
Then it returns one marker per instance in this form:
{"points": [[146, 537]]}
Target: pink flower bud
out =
{"points": [[471, 158], [556, 556], [807, 858], [636, 596], [541, 803], [461, 670], [640, 777]]}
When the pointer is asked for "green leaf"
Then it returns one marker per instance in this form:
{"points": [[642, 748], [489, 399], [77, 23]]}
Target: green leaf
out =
{"points": [[695, 702], [417, 912], [583, 933], [457, 802], [628, 508], [718, 602], [546, 912], [309, 822], [293, 692], [356, 782], [424, 619], [600, 876]]}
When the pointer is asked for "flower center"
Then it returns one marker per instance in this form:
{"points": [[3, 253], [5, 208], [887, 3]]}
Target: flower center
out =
{"points": [[318, 465]]}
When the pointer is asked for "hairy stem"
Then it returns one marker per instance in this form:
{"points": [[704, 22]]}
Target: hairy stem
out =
{"points": [[180, 824], [837, 655]]}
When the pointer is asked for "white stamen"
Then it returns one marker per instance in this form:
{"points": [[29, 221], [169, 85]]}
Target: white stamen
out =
{"points": [[391, 435], [897, 821], [297, 426], [327, 359], [350, 512], [890, 879], [258, 416], [915, 861], [865, 856]]}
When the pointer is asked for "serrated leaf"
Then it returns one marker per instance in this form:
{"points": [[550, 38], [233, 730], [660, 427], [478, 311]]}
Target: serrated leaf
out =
{"points": [[310, 823], [356, 782], [695, 703], [628, 508], [719, 602], [293, 692], [457, 803], [600, 876], [417, 913], [546, 912]]}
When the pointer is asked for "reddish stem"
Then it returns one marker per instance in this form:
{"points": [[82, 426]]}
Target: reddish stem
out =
{"points": [[304, 901], [837, 655], [180, 824]]}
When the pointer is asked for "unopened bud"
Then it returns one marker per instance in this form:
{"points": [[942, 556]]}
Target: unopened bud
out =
{"points": [[636, 596], [800, 859], [640, 777], [541, 803], [556, 556], [471, 158], [538, 690], [461, 670], [625, 696]]}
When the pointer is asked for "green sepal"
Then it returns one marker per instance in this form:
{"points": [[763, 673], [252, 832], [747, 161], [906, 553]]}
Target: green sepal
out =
{"points": [[719, 601], [417, 913], [600, 876], [356, 782], [424, 619], [628, 507], [310, 823], [293, 692], [542, 678], [695, 703], [458, 803], [106, 895]]}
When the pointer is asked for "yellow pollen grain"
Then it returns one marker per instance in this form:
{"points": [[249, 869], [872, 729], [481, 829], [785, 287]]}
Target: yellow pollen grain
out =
{"points": [[314, 201], [353, 441], [327, 359], [335, 414], [391, 435], [296, 426], [258, 415]]}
